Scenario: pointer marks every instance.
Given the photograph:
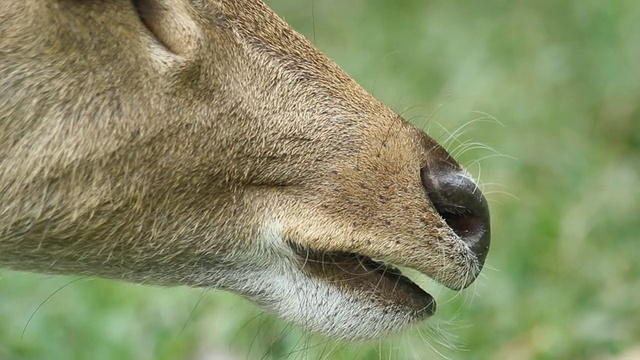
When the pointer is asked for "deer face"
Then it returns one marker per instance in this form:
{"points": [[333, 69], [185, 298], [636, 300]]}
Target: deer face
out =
{"points": [[207, 143]]}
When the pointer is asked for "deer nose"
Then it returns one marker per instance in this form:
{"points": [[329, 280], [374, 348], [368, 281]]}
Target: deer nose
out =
{"points": [[462, 205]]}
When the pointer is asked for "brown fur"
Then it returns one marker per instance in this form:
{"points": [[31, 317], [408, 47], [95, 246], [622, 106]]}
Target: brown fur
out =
{"points": [[156, 151]]}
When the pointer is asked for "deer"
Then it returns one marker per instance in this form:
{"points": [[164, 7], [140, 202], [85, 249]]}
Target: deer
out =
{"points": [[206, 143]]}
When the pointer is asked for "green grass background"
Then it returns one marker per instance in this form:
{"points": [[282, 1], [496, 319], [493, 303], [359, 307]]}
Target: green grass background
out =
{"points": [[553, 87]]}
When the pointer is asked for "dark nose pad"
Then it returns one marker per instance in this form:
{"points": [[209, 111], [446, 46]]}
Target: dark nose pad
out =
{"points": [[462, 205]]}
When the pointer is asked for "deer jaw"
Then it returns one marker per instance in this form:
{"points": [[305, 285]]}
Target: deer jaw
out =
{"points": [[208, 144]]}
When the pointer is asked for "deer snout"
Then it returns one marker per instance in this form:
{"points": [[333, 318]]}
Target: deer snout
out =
{"points": [[461, 204]]}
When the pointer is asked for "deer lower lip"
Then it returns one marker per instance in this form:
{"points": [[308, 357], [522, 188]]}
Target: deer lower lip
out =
{"points": [[361, 275]]}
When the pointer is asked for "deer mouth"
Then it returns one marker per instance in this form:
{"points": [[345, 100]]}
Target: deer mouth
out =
{"points": [[362, 276], [460, 205]]}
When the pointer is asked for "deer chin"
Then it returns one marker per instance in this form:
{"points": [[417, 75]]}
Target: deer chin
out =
{"points": [[340, 295], [360, 274]]}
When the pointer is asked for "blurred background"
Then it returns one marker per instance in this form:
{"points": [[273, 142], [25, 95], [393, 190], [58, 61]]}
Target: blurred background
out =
{"points": [[540, 99]]}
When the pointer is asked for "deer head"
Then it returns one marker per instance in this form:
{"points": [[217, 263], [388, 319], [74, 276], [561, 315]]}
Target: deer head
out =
{"points": [[206, 143]]}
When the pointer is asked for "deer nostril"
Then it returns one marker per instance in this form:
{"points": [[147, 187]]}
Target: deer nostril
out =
{"points": [[462, 206]]}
